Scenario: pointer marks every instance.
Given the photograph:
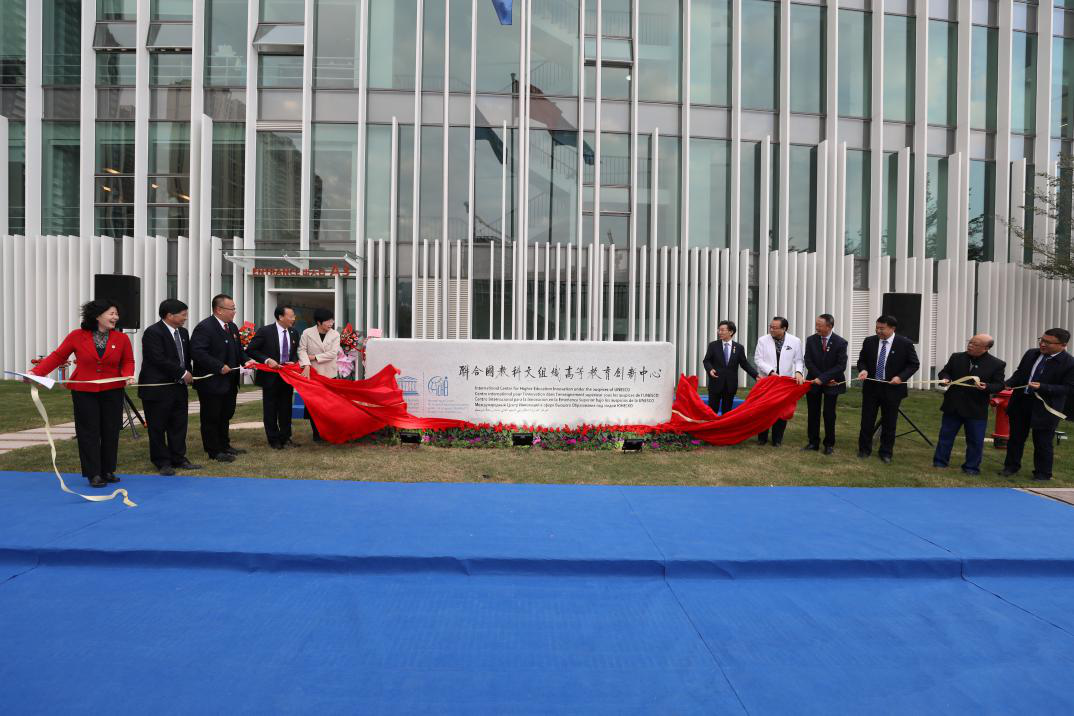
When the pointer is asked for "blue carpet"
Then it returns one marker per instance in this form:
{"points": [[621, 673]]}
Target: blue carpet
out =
{"points": [[255, 596]]}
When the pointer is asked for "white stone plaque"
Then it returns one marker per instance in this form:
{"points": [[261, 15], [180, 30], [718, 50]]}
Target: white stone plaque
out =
{"points": [[535, 383]]}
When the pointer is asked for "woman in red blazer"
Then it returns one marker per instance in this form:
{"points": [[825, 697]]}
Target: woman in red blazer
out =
{"points": [[100, 352]]}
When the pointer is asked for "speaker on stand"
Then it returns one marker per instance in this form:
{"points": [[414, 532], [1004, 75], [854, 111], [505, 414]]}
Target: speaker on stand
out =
{"points": [[906, 308], [126, 291]]}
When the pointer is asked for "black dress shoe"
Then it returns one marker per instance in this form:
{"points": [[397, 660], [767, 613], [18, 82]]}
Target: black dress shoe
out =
{"points": [[187, 465], [1041, 477], [276, 446], [1007, 473], [886, 459], [167, 471], [970, 472], [811, 446], [864, 454], [762, 441], [828, 449], [96, 481], [223, 457], [234, 451], [110, 477], [777, 443], [289, 443]]}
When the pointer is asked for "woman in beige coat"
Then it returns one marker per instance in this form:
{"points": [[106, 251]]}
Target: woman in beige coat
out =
{"points": [[318, 348]]}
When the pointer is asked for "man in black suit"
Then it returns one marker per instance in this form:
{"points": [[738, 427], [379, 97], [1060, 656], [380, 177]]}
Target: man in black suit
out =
{"points": [[273, 345], [826, 365], [966, 404], [1048, 371], [722, 360], [217, 351], [890, 359], [166, 359]]}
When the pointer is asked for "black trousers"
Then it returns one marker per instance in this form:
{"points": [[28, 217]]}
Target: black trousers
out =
{"points": [[166, 414], [721, 401], [313, 425], [276, 399], [814, 400], [885, 401], [777, 429], [98, 418], [217, 410], [1043, 447]]}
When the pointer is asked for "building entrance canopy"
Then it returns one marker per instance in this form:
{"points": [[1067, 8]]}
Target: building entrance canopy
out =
{"points": [[310, 263]]}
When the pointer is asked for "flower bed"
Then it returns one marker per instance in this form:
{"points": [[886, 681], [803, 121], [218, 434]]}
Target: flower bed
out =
{"points": [[598, 438]]}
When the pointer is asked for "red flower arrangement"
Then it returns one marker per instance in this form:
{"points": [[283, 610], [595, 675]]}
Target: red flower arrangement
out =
{"points": [[351, 340], [246, 333]]}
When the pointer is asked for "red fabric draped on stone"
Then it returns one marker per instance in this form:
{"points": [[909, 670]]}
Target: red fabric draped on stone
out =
{"points": [[349, 409]]}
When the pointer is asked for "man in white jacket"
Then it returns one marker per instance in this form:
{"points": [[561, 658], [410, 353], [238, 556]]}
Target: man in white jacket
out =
{"points": [[779, 353]]}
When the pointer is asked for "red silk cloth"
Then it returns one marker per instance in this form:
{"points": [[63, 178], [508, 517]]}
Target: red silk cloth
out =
{"points": [[349, 409]]}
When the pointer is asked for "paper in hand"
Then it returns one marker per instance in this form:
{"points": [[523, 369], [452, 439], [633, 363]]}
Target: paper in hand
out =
{"points": [[41, 380]]}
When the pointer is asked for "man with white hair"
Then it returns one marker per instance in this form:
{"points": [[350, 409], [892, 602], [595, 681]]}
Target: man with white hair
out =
{"points": [[965, 406], [779, 353]]}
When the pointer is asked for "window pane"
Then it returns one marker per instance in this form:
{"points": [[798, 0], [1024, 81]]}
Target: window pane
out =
{"points": [[497, 51], [13, 43], [614, 83], [936, 208], [889, 218], [335, 171], [169, 69], [615, 17], [280, 71], [555, 47], [856, 227], [710, 188], [807, 58], [279, 187], [431, 198], [553, 185], [459, 46], [282, 10], [378, 181], [225, 46], [117, 9], [943, 76], [62, 54], [169, 148], [229, 179], [1062, 87], [493, 164], [1023, 82], [432, 47], [59, 178], [760, 42], [710, 52], [855, 63], [172, 10], [16, 175], [982, 200], [750, 197], [392, 28], [802, 227], [669, 182], [115, 148], [115, 69], [659, 50], [336, 43], [983, 72], [899, 60]]}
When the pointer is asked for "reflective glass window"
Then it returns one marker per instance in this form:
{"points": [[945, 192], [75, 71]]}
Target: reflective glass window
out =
{"points": [[710, 192], [855, 63], [169, 148], [116, 69], [279, 188], [115, 149], [229, 179], [1062, 87], [432, 47], [16, 177], [334, 174], [393, 27], [659, 65], [615, 17], [378, 172], [750, 197], [1023, 82], [943, 75], [431, 183], [802, 226], [497, 52], [336, 44], [936, 208], [889, 204], [225, 43], [13, 43], [495, 198], [279, 70], [982, 211], [555, 48], [899, 62], [172, 10], [60, 143], [668, 191], [553, 198], [856, 226], [117, 9], [760, 50], [984, 47], [807, 58], [710, 52], [169, 69], [283, 10], [62, 35]]}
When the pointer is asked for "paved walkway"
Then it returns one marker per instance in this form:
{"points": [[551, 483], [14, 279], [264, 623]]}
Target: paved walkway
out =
{"points": [[1063, 494], [66, 431]]}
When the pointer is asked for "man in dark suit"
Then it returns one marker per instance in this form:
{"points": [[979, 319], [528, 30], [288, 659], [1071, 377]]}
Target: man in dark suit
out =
{"points": [[722, 360], [966, 404], [826, 365], [273, 345], [166, 359], [1048, 371], [891, 360], [217, 351]]}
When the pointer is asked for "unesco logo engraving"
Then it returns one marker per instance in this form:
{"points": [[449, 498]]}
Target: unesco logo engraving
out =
{"points": [[438, 386]]}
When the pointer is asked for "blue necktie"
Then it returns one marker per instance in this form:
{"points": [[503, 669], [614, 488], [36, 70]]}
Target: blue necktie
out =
{"points": [[1037, 372], [881, 359], [285, 351], [726, 354]]}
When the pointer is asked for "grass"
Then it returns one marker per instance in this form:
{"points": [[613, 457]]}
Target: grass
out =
{"points": [[745, 464]]}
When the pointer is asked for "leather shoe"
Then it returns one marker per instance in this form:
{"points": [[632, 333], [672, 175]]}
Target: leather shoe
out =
{"points": [[864, 454], [970, 472], [1042, 477], [811, 446], [234, 451], [291, 444], [276, 446], [762, 441], [828, 449], [110, 477], [777, 443], [886, 459], [223, 457], [1007, 473], [167, 471], [187, 465], [96, 481]]}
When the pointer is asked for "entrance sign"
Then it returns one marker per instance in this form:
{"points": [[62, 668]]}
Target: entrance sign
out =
{"points": [[535, 383]]}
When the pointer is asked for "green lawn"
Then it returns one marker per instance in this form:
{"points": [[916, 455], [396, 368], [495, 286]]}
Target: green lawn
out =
{"points": [[745, 464]]}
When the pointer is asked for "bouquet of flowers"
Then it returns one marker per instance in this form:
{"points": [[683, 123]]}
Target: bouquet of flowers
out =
{"points": [[351, 349], [246, 333]]}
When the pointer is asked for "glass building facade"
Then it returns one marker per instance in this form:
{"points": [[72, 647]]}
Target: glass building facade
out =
{"points": [[595, 170]]}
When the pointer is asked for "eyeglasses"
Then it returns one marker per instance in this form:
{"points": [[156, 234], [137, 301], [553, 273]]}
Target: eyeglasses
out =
{"points": [[1044, 340]]}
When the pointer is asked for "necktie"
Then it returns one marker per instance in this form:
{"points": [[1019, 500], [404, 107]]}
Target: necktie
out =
{"points": [[179, 347], [1038, 371], [824, 343], [726, 353], [881, 359], [285, 350]]}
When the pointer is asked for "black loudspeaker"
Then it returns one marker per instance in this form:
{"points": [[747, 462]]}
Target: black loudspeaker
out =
{"points": [[124, 290], [906, 308]]}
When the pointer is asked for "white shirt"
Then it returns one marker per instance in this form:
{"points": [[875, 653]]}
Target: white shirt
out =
{"points": [[222, 325]]}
